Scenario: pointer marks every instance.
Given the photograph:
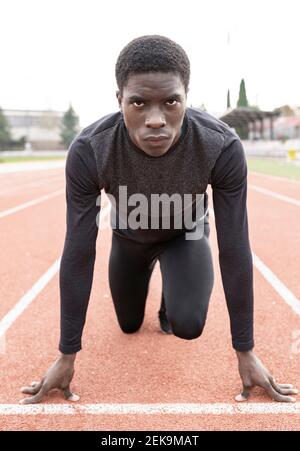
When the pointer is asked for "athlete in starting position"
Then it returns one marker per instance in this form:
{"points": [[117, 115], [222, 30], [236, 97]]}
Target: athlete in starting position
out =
{"points": [[155, 145]]}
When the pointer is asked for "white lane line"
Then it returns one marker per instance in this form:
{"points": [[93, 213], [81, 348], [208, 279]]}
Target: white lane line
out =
{"points": [[278, 286], [10, 181], [152, 409], [45, 183], [30, 203], [13, 179], [7, 168], [31, 294], [274, 281], [278, 196], [19, 308], [274, 177]]}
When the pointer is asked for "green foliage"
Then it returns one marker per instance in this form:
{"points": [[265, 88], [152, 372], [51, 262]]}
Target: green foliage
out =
{"points": [[69, 129], [242, 100], [5, 137], [242, 131], [228, 99], [272, 166]]}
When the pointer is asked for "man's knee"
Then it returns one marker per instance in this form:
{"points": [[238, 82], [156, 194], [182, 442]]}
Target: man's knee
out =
{"points": [[130, 327], [188, 329]]}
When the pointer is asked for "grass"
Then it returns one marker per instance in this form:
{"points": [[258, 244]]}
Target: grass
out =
{"points": [[279, 168], [30, 158]]}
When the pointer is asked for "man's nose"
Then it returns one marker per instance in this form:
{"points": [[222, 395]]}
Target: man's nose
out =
{"points": [[155, 119]]}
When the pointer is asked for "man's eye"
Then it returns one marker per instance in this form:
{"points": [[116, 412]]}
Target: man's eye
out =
{"points": [[138, 103], [172, 102]]}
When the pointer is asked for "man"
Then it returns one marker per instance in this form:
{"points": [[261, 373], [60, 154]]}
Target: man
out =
{"points": [[155, 146]]}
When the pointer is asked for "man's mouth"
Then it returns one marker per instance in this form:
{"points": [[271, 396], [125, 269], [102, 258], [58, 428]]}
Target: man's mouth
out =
{"points": [[156, 138]]}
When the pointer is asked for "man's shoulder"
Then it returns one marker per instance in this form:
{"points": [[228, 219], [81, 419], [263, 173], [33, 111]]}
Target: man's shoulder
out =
{"points": [[80, 148], [104, 123], [210, 125]]}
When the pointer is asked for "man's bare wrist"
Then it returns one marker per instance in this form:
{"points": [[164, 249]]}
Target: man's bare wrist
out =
{"points": [[68, 357], [242, 354]]}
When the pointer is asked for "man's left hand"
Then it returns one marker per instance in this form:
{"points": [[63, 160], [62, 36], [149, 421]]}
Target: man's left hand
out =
{"points": [[253, 373]]}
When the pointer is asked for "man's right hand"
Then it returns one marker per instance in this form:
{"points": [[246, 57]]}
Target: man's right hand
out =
{"points": [[59, 375]]}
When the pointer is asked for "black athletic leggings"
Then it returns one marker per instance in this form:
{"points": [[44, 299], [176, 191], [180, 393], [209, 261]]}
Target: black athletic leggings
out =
{"points": [[187, 275]]}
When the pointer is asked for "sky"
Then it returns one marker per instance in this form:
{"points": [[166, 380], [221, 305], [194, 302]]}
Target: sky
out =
{"points": [[57, 52]]}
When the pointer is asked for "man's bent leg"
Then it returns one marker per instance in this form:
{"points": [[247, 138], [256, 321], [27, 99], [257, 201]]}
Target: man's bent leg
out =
{"points": [[163, 319], [188, 277], [130, 269]]}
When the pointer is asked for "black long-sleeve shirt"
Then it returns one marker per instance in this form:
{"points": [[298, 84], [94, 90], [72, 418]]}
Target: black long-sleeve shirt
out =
{"points": [[104, 157]]}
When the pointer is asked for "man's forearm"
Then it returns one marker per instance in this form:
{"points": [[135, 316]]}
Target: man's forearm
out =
{"points": [[76, 277], [237, 277]]}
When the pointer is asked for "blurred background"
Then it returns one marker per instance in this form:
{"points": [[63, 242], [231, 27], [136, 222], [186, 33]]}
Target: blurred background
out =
{"points": [[58, 59]]}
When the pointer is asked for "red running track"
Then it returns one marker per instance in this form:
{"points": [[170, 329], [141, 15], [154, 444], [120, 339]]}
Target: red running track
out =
{"points": [[147, 367]]}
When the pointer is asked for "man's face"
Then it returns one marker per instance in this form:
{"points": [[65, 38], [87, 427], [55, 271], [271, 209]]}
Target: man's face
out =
{"points": [[153, 106]]}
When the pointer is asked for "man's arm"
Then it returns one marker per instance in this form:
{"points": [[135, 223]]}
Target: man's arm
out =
{"points": [[229, 183], [77, 263], [76, 269]]}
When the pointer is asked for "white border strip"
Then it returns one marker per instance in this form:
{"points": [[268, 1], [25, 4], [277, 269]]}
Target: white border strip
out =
{"points": [[30, 203], [267, 192], [152, 409], [273, 280]]}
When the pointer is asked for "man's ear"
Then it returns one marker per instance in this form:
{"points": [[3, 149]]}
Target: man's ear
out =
{"points": [[119, 98]]}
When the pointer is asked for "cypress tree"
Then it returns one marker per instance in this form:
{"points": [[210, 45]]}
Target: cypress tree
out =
{"points": [[5, 136], [242, 100], [69, 127], [228, 99]]}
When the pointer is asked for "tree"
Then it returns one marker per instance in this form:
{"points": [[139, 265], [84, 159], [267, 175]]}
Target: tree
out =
{"points": [[5, 137], [242, 100], [69, 128], [228, 99]]}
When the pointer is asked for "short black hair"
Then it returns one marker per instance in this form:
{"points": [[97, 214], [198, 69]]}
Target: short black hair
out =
{"points": [[152, 53]]}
